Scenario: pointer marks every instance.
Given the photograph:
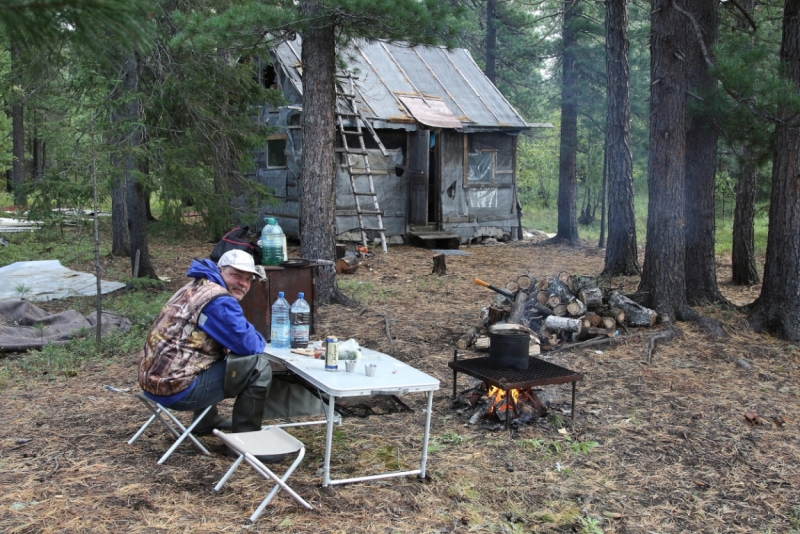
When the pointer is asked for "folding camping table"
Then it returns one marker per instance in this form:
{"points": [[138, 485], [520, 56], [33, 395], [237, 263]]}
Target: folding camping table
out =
{"points": [[392, 377]]}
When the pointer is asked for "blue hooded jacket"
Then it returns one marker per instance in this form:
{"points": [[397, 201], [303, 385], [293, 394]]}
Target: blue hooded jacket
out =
{"points": [[222, 318]]}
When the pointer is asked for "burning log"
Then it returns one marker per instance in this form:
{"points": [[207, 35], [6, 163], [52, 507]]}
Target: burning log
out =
{"points": [[635, 313], [591, 296]]}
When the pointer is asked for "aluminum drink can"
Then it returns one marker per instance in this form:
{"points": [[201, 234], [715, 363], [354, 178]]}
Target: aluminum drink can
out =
{"points": [[332, 354]]}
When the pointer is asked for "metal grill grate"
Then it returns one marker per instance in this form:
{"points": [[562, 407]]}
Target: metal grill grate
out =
{"points": [[538, 373]]}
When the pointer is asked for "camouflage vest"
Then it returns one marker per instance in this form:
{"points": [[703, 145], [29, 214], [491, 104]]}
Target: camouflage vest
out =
{"points": [[176, 350]]}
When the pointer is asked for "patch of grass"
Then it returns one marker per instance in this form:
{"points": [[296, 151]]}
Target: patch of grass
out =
{"points": [[390, 457], [463, 493], [437, 443], [590, 525], [557, 513], [65, 361], [48, 243], [365, 293]]}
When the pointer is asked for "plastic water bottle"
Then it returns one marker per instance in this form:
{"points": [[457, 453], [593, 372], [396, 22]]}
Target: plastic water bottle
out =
{"points": [[272, 243], [279, 332], [300, 320]]}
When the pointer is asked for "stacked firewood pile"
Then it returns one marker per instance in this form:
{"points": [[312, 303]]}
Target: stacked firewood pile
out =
{"points": [[562, 308]]}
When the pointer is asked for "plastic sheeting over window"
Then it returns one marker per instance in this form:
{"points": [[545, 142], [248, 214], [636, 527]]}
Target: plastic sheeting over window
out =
{"points": [[482, 198], [480, 168]]}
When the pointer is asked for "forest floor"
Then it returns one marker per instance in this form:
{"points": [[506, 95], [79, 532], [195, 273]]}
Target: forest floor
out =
{"points": [[659, 444]]}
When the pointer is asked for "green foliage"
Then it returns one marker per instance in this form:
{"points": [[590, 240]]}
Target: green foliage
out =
{"points": [[590, 525], [82, 23], [390, 456], [48, 243]]}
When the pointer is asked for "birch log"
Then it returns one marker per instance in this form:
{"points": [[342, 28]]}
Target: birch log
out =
{"points": [[635, 313], [568, 324], [591, 296]]}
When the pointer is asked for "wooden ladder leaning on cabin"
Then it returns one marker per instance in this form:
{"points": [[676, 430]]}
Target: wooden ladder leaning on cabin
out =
{"points": [[351, 155]]}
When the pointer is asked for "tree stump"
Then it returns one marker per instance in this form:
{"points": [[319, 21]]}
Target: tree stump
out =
{"points": [[439, 265]]}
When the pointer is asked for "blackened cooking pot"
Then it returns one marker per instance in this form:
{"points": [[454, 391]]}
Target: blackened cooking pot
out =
{"points": [[509, 350]]}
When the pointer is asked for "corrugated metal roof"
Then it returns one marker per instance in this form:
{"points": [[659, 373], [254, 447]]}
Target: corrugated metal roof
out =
{"points": [[385, 72]]}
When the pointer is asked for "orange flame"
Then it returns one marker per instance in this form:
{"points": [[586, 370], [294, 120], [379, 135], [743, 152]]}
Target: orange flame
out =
{"points": [[498, 401]]}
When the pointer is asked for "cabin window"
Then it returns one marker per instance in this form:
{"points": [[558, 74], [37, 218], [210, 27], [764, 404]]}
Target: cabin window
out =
{"points": [[481, 167], [276, 151]]}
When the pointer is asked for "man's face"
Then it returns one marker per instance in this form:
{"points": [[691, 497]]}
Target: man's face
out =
{"points": [[237, 282]]}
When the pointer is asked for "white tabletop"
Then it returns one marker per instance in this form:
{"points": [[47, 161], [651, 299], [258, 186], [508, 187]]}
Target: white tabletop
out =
{"points": [[392, 377]]}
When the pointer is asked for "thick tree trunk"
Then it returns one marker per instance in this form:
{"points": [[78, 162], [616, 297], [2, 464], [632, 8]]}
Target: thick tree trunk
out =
{"points": [[491, 39], [18, 151], [663, 284], [621, 250], [701, 162], [568, 151], [134, 191], [120, 238], [38, 159], [318, 164], [777, 309], [17, 138], [743, 257]]}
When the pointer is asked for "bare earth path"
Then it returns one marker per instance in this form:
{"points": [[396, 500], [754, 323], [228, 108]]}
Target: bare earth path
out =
{"points": [[674, 452]]}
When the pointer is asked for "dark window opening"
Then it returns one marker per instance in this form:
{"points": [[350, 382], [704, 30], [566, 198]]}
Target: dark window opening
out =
{"points": [[276, 153], [269, 78]]}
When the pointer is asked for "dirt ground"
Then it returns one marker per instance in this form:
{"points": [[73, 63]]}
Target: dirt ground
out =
{"points": [[658, 446]]}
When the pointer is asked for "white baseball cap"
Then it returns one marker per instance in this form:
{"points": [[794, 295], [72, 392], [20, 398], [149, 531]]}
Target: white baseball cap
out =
{"points": [[238, 259]]}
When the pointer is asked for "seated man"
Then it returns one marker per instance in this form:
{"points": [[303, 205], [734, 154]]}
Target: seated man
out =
{"points": [[201, 349]]}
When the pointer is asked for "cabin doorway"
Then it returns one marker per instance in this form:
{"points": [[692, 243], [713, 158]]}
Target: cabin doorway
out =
{"points": [[423, 194]]}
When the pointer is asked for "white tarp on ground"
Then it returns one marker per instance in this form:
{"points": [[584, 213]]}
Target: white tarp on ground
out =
{"points": [[48, 280]]}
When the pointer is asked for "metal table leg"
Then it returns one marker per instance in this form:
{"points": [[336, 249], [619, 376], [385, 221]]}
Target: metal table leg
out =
{"points": [[326, 468], [426, 435]]}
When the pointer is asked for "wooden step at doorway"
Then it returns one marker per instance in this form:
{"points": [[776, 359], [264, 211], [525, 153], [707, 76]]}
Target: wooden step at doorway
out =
{"points": [[434, 239]]}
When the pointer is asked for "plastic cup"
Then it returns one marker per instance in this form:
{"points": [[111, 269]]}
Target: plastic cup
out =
{"points": [[370, 369], [350, 365]]}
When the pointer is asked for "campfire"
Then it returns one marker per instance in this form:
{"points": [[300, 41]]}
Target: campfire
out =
{"points": [[515, 405]]}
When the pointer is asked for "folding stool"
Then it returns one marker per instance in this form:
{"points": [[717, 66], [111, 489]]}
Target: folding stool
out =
{"points": [[185, 432], [268, 441]]}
